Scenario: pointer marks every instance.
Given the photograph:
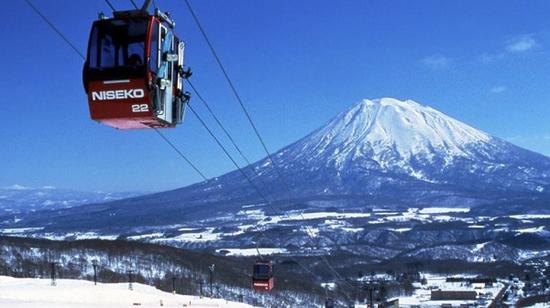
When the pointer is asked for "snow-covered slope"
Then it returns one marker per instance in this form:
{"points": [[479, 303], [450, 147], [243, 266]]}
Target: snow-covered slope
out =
{"points": [[389, 128], [30, 292]]}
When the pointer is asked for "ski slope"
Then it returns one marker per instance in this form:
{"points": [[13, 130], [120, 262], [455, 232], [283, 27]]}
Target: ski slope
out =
{"points": [[31, 292]]}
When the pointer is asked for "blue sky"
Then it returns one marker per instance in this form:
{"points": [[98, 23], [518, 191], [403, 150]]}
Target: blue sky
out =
{"points": [[295, 63]]}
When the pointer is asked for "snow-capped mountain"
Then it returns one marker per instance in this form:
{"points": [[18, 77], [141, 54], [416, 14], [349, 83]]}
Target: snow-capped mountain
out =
{"points": [[389, 133], [389, 147], [386, 142], [382, 151]]}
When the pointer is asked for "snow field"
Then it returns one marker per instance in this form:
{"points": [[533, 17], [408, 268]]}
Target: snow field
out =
{"points": [[439, 210], [247, 252], [33, 292]]}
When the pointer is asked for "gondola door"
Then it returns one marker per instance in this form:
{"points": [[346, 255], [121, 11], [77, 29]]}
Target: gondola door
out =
{"points": [[165, 75], [181, 98]]}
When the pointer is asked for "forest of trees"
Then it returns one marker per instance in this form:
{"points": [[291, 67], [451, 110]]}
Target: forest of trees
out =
{"points": [[165, 266]]}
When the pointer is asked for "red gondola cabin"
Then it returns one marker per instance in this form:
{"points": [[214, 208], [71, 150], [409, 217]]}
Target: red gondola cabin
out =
{"points": [[133, 74], [262, 276]]}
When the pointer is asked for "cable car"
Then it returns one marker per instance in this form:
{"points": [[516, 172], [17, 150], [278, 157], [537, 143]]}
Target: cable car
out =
{"points": [[262, 276], [133, 74]]}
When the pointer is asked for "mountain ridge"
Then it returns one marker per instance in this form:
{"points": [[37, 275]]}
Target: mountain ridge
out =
{"points": [[18, 199]]}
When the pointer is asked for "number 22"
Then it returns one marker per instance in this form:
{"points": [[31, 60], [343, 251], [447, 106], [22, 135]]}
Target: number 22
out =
{"points": [[140, 108]]}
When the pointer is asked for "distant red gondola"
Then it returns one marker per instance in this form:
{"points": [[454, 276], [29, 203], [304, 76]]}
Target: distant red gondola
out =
{"points": [[262, 276], [133, 74]]}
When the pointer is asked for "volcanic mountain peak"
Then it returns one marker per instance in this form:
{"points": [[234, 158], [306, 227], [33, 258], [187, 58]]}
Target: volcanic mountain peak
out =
{"points": [[406, 128]]}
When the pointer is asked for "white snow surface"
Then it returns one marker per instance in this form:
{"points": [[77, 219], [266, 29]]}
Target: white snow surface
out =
{"points": [[19, 230], [204, 236], [319, 215], [32, 292], [438, 210], [539, 229], [251, 251], [531, 216], [400, 229]]}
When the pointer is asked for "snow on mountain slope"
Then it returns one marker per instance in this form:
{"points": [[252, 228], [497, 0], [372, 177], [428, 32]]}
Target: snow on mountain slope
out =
{"points": [[372, 127], [30, 292]]}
